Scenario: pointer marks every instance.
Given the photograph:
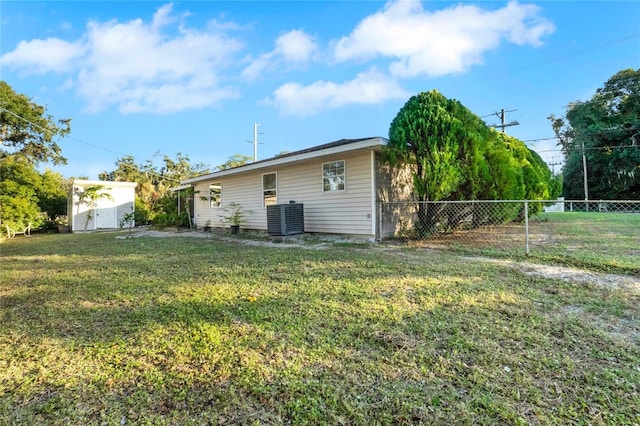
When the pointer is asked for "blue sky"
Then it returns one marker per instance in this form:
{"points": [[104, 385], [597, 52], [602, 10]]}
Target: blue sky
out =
{"points": [[140, 78]]}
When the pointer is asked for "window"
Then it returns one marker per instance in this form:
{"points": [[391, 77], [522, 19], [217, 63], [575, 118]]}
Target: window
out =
{"points": [[333, 176], [269, 188], [215, 194]]}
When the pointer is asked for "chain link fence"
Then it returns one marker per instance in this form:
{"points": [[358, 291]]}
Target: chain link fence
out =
{"points": [[514, 227]]}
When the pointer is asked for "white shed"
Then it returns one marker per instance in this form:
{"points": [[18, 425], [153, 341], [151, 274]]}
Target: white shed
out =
{"points": [[105, 210]]}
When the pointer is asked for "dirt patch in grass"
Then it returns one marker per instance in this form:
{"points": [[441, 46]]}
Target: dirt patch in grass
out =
{"points": [[255, 239], [567, 274], [166, 233]]}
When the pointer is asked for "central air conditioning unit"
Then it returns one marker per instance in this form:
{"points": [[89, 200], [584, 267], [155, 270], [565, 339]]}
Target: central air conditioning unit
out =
{"points": [[285, 219]]}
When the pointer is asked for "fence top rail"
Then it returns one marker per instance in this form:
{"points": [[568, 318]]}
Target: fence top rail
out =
{"points": [[600, 201], [512, 201]]}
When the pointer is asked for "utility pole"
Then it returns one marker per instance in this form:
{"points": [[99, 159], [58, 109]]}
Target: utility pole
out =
{"points": [[584, 168], [255, 141], [503, 124], [553, 165]]}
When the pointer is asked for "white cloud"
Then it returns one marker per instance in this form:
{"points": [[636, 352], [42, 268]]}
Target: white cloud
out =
{"points": [[163, 17], [43, 56], [258, 66], [162, 65], [293, 49], [443, 42], [137, 66], [371, 87], [295, 46]]}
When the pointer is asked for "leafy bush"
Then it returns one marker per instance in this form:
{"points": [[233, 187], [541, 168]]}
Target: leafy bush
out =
{"points": [[164, 220], [48, 225], [184, 220], [141, 213]]}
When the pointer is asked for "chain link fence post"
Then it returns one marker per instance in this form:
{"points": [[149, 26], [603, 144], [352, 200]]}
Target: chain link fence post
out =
{"points": [[526, 227]]}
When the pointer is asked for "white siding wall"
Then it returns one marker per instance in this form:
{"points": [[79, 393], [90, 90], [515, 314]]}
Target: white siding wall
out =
{"points": [[126, 204], [345, 212]]}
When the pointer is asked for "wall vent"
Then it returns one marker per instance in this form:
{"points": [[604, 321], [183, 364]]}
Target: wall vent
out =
{"points": [[285, 219]]}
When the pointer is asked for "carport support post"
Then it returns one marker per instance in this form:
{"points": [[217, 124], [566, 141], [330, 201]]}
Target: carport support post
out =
{"points": [[526, 227]]}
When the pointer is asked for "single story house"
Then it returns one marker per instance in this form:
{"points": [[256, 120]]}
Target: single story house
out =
{"points": [[339, 185], [112, 202]]}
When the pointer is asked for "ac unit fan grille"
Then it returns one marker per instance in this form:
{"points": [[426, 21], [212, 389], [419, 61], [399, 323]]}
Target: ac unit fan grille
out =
{"points": [[285, 219]]}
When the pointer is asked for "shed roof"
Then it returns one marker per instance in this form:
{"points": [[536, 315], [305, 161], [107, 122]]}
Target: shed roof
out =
{"points": [[106, 183], [339, 146]]}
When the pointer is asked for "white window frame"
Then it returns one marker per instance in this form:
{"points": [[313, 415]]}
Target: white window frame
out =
{"points": [[211, 200], [344, 177], [264, 204]]}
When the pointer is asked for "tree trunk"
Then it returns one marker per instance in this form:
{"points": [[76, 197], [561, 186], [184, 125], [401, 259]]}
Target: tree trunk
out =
{"points": [[423, 227], [427, 219]]}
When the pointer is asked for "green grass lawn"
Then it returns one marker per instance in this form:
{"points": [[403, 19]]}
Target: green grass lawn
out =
{"points": [[197, 331], [604, 242], [601, 241]]}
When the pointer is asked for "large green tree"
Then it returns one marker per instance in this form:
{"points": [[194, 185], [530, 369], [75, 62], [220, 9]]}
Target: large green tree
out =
{"points": [[52, 194], [428, 135], [19, 183], [27, 130], [455, 156], [28, 138], [28, 196], [606, 129]]}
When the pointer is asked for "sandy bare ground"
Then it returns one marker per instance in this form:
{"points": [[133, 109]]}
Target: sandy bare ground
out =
{"points": [[294, 241], [570, 274]]}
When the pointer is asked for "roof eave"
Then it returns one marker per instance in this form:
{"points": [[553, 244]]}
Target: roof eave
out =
{"points": [[375, 144]]}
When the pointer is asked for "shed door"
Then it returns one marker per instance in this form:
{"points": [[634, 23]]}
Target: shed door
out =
{"points": [[105, 214]]}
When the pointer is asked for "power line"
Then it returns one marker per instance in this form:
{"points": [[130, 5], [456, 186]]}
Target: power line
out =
{"points": [[594, 148], [541, 140], [565, 56], [580, 135], [69, 137], [87, 143]]}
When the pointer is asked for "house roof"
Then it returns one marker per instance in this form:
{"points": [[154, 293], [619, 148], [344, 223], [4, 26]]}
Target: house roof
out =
{"points": [[342, 145]]}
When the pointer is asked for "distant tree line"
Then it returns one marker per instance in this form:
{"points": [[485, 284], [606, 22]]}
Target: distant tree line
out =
{"points": [[606, 130], [156, 202]]}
